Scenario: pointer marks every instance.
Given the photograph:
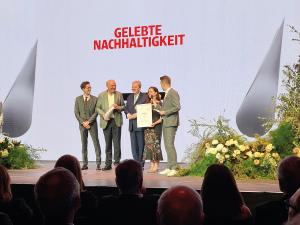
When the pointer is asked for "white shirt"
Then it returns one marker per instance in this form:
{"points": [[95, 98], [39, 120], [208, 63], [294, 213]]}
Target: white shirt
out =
{"points": [[135, 97], [111, 101], [86, 96]]}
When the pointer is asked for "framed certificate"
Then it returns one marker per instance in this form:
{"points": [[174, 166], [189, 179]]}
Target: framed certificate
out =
{"points": [[144, 115]]}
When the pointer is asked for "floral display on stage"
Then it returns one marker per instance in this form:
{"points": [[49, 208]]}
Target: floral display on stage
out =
{"points": [[15, 155], [257, 158]]}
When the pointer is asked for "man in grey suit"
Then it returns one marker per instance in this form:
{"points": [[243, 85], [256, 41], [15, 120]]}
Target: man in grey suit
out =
{"points": [[85, 112], [170, 116], [110, 106]]}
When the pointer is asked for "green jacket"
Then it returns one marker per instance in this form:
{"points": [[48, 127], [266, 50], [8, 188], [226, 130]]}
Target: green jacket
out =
{"points": [[81, 114], [103, 107], [171, 106]]}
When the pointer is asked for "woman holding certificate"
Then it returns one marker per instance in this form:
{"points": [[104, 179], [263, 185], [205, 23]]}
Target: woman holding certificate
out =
{"points": [[152, 149]]}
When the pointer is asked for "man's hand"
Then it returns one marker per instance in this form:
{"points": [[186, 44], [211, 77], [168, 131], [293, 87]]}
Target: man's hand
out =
{"points": [[116, 106], [86, 124], [131, 116], [162, 113]]}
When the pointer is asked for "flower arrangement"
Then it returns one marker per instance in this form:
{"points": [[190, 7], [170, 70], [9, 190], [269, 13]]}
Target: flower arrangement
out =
{"points": [[246, 159], [15, 155]]}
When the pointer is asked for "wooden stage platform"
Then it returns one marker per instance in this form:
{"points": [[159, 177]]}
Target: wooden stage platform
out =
{"points": [[94, 178]]}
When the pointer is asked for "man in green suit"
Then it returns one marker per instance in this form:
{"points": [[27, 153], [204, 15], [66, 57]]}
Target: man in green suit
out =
{"points": [[170, 116], [109, 107], [85, 112]]}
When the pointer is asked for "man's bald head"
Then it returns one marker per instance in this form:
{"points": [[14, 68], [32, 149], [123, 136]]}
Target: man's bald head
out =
{"points": [[180, 205], [288, 175], [111, 86], [58, 194]]}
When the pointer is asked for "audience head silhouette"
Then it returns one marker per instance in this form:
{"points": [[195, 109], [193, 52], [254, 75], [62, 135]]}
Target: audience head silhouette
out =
{"points": [[294, 209], [220, 194], [5, 191], [71, 163], [58, 196], [129, 177], [288, 175], [180, 205]]}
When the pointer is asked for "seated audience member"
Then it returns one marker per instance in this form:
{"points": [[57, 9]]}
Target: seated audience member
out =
{"points": [[57, 193], [17, 210], [275, 212], [293, 205], [180, 205], [222, 201], [131, 206], [4, 219], [89, 202]]}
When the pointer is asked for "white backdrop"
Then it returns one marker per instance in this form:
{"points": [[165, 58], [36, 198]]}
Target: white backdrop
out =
{"points": [[225, 43]]}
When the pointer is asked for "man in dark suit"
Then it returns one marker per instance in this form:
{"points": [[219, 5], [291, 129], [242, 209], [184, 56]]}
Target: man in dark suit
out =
{"points": [[276, 212], [136, 133], [85, 112]]}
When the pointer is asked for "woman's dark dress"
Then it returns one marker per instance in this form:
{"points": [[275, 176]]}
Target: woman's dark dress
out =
{"points": [[152, 149]]}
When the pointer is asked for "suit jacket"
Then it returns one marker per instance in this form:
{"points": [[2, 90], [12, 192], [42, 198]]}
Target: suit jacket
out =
{"points": [[103, 107], [130, 108], [171, 106], [80, 113]]}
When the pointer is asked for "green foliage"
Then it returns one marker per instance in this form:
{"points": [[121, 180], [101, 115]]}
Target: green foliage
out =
{"points": [[283, 138], [15, 155], [219, 143]]}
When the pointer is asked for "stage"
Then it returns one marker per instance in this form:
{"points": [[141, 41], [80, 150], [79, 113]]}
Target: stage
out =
{"points": [[93, 178], [102, 183]]}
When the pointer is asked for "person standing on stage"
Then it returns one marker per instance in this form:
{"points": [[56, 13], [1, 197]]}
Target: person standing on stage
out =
{"points": [[110, 106], [85, 112], [136, 133], [152, 149], [170, 116]]}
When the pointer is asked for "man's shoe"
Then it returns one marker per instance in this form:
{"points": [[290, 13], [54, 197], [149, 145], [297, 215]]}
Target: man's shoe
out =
{"points": [[84, 167], [98, 167], [106, 168], [172, 173], [164, 172]]}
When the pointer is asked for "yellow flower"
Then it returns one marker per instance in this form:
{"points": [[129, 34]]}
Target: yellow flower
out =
{"points": [[229, 143], [227, 156], [296, 150], [275, 155], [262, 154], [237, 152], [211, 151], [242, 148], [4, 153], [250, 154], [256, 154], [256, 162], [224, 150], [235, 142], [215, 142], [269, 147], [219, 147]]}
